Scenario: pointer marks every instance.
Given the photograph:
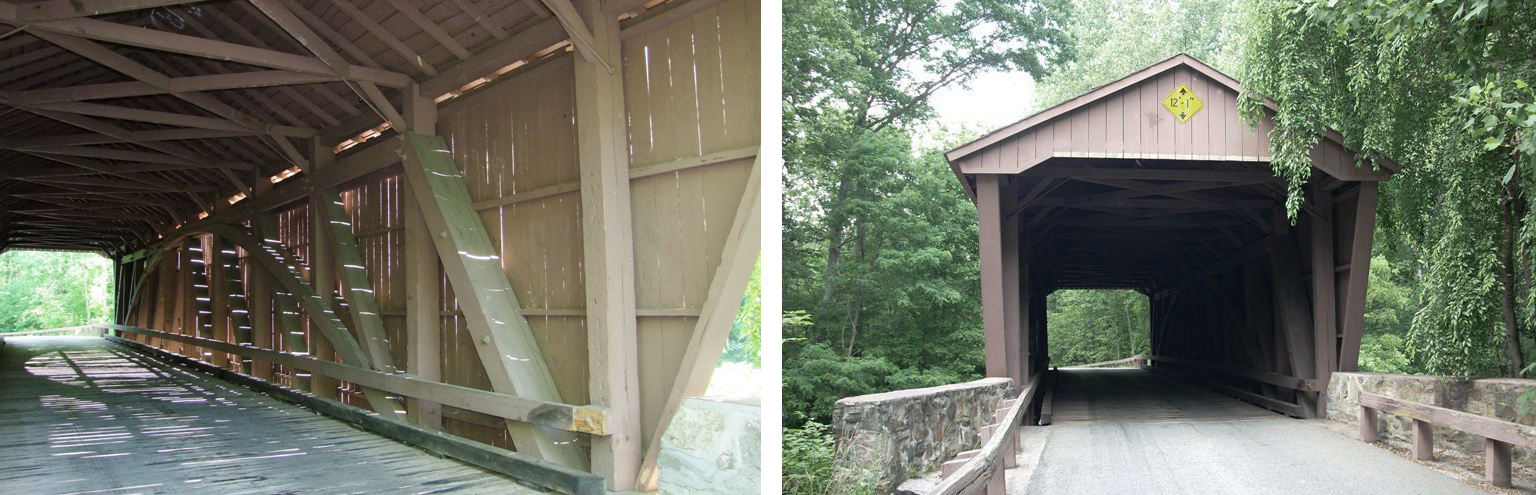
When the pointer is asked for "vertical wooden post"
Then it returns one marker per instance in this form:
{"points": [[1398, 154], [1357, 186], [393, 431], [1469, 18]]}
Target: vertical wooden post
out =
{"points": [[1368, 425], [186, 302], [322, 272], [1015, 342], [219, 301], [608, 253], [1359, 276], [285, 307], [1294, 328], [423, 324], [1496, 460], [120, 290], [1324, 319], [1032, 349], [258, 295], [989, 190], [165, 298], [1423, 441]]}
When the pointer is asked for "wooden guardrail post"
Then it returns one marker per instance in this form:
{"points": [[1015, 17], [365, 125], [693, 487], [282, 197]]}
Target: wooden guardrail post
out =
{"points": [[1496, 460], [1423, 440], [1368, 425], [1499, 436]]}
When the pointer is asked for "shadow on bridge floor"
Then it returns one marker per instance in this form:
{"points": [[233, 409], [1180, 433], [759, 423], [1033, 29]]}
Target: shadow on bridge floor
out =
{"points": [[1119, 395], [80, 415]]}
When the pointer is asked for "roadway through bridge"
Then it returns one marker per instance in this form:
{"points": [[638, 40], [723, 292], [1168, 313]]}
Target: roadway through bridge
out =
{"points": [[81, 415], [1131, 431]]}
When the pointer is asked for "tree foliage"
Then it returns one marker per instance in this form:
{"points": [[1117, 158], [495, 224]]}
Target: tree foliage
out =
{"points": [[1442, 88], [1114, 38], [745, 344], [879, 245], [44, 289], [1088, 326]]}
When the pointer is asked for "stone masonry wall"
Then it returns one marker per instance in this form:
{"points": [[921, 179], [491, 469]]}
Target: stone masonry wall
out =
{"points": [[1492, 397], [883, 439], [712, 447]]}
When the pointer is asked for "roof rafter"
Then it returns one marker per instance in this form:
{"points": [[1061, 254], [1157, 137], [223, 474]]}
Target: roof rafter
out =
{"points": [[211, 49]]}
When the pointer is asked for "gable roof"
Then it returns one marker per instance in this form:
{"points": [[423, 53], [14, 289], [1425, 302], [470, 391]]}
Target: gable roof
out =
{"points": [[1331, 156]]}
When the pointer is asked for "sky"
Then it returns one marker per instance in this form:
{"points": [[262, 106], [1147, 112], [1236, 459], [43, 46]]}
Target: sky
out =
{"points": [[994, 99]]}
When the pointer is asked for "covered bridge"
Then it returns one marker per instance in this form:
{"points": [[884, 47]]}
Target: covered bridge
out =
{"points": [[514, 231], [1154, 183]]}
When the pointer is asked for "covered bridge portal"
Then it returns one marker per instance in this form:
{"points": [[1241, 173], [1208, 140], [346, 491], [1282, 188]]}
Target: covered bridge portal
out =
{"points": [[1153, 183], [512, 231]]}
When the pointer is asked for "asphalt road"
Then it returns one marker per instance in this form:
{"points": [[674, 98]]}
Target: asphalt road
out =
{"points": [[1192, 441]]}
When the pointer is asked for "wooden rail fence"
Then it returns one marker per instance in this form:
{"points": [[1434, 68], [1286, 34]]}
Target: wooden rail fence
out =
{"points": [[981, 471], [1136, 361], [91, 330], [1498, 435]]}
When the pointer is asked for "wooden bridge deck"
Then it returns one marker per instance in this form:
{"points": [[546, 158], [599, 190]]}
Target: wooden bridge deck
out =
{"points": [[1133, 432], [80, 415], [1118, 395]]}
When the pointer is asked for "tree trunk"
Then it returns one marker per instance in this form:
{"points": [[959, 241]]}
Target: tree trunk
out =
{"points": [[1507, 270]]}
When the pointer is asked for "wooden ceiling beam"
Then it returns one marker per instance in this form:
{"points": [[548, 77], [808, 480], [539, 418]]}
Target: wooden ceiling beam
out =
{"points": [[301, 33], [474, 12], [431, 28], [54, 10], [115, 184], [213, 82], [105, 169], [330, 34], [110, 154], [239, 29], [211, 49], [35, 142], [580, 36], [313, 42], [384, 35], [520, 46], [166, 118]]}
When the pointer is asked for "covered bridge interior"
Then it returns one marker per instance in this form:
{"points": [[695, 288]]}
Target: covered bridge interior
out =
{"points": [[1137, 185], [524, 224]]}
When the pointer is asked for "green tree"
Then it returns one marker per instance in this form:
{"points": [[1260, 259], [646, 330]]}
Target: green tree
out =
{"points": [[47, 289], [1444, 89], [745, 344], [1087, 326], [858, 74], [1114, 38]]}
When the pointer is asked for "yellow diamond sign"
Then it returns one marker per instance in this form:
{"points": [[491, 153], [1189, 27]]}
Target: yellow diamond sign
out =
{"points": [[1183, 103]]}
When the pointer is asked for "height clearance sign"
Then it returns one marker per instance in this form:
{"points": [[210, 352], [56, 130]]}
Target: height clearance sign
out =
{"points": [[1183, 103]]}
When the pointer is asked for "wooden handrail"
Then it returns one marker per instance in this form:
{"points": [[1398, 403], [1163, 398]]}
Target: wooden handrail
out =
{"points": [[1100, 364], [1498, 434], [583, 419], [53, 331], [988, 460]]}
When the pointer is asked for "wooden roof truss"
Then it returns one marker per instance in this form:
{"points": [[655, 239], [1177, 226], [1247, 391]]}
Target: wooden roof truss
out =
{"points": [[121, 119]]}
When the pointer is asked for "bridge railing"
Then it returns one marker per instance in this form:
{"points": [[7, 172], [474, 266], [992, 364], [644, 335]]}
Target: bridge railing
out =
{"points": [[82, 330], [984, 472], [1498, 435], [1136, 361]]}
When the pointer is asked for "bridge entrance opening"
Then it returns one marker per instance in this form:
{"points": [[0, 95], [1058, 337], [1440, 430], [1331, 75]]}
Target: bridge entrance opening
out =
{"points": [[1116, 190]]}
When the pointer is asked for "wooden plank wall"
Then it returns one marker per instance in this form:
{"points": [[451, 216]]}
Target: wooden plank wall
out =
{"points": [[691, 92]]}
